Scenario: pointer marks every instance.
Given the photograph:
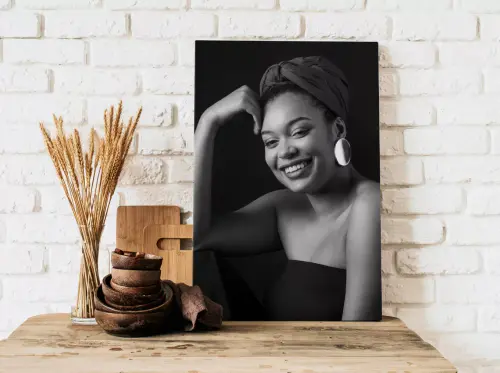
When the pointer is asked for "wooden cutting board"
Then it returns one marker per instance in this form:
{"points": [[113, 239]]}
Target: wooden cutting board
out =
{"points": [[157, 230]]}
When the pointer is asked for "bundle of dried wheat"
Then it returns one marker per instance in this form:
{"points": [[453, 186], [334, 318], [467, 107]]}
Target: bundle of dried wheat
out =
{"points": [[89, 181]]}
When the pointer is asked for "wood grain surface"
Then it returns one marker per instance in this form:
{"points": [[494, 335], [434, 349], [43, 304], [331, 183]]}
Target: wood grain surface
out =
{"points": [[177, 264], [131, 221], [157, 230], [48, 342]]}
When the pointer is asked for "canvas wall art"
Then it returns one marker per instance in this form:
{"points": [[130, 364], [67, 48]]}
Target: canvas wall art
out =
{"points": [[287, 179]]}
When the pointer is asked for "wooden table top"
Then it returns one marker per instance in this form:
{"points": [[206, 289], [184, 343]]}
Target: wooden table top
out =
{"points": [[50, 343]]}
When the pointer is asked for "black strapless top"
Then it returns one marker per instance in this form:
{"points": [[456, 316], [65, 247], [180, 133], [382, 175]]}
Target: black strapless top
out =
{"points": [[307, 291]]}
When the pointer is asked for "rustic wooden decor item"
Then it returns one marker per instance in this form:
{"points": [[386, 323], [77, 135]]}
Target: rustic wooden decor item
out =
{"points": [[157, 230]]}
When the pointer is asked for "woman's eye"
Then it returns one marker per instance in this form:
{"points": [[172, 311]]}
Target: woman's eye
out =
{"points": [[270, 143], [300, 133]]}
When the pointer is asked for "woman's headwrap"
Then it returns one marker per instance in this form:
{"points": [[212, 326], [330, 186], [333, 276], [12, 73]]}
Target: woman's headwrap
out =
{"points": [[316, 75]]}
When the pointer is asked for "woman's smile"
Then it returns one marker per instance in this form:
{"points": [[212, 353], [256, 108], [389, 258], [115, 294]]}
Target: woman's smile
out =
{"points": [[297, 169]]}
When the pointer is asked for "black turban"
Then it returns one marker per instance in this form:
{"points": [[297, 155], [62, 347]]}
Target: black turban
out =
{"points": [[316, 75]]}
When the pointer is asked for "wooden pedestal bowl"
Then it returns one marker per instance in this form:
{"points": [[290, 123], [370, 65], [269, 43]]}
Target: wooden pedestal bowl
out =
{"points": [[135, 277], [119, 298], [133, 260], [133, 323]]}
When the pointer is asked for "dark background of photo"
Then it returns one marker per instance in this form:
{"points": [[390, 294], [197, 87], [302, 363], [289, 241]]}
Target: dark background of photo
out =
{"points": [[240, 174]]}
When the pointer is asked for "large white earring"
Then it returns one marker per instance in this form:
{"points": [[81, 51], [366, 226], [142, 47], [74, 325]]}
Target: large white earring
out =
{"points": [[343, 152]]}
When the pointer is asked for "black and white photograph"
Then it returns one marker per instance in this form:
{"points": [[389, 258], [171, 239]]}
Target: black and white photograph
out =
{"points": [[287, 179]]}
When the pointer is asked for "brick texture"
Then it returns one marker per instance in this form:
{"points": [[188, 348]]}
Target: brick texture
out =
{"points": [[152, 25], [24, 79], [144, 4], [347, 26], [47, 51], [57, 4], [409, 5], [19, 25], [321, 5], [128, 53], [259, 24], [89, 24]]}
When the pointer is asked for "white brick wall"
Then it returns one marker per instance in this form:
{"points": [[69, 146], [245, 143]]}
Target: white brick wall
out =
{"points": [[24, 79], [364, 26], [164, 26], [54, 52], [423, 26], [456, 140], [423, 200], [238, 24], [439, 140], [407, 112], [85, 24], [407, 54], [57, 4], [410, 5], [19, 25], [4, 4], [232, 4], [439, 82], [170, 81], [144, 4], [320, 5], [131, 53]]}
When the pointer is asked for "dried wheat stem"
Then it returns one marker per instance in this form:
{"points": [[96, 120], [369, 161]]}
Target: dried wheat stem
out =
{"points": [[89, 180]]}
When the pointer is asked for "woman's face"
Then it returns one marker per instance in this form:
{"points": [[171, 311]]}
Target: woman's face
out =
{"points": [[299, 143]]}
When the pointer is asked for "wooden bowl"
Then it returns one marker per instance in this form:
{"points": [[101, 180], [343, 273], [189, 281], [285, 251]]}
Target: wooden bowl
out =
{"points": [[140, 307], [165, 307], [146, 290], [118, 298], [131, 325], [135, 277], [149, 262]]}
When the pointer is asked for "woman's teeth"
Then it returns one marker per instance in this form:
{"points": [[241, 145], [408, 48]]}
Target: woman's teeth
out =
{"points": [[295, 167]]}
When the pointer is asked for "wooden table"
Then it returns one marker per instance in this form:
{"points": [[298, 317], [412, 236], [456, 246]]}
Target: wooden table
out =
{"points": [[49, 343]]}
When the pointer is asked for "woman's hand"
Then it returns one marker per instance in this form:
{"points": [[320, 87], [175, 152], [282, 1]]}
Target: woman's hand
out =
{"points": [[242, 99]]}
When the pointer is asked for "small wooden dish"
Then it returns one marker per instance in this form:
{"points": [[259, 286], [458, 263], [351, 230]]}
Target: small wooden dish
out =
{"points": [[141, 307], [147, 290], [149, 262], [131, 325], [166, 306], [135, 277], [119, 298]]}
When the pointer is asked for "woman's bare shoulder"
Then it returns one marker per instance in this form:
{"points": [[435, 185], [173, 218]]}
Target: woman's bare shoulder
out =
{"points": [[284, 196], [272, 201], [285, 199], [367, 190], [366, 198]]}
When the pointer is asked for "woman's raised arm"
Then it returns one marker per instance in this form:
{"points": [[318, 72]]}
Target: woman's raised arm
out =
{"points": [[250, 229]]}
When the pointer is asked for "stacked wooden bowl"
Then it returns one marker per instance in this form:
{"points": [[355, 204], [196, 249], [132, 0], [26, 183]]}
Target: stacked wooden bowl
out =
{"points": [[132, 300]]}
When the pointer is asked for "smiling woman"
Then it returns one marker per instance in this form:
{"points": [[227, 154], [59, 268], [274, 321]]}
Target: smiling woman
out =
{"points": [[325, 219]]}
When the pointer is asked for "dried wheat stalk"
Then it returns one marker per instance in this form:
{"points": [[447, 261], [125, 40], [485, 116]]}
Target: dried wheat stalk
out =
{"points": [[89, 181]]}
